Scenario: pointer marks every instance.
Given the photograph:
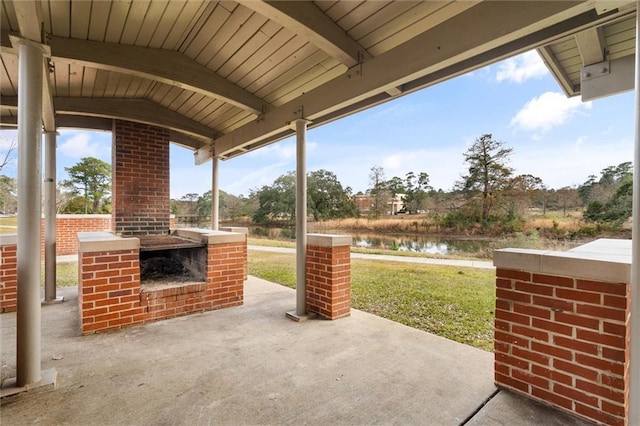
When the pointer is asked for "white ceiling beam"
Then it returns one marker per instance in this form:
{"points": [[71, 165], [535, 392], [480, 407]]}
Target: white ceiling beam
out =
{"points": [[591, 45], [166, 66], [491, 23], [137, 110], [29, 15], [307, 20]]}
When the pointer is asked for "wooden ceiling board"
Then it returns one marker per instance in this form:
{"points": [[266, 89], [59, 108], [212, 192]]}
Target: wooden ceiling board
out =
{"points": [[100, 11], [61, 18], [263, 57], [172, 21], [268, 91], [181, 102], [9, 80], [153, 23], [9, 20], [323, 5], [195, 25], [80, 18], [567, 44], [363, 11], [134, 21], [340, 9], [277, 63], [193, 104], [320, 74], [417, 20], [88, 80], [61, 80], [116, 22], [159, 92], [238, 39], [123, 88], [380, 18], [206, 39], [219, 116], [568, 55], [113, 80], [235, 122], [100, 83], [237, 59], [212, 108], [76, 73]]}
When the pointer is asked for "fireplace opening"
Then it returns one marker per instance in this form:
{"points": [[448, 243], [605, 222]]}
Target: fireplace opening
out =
{"points": [[169, 260]]}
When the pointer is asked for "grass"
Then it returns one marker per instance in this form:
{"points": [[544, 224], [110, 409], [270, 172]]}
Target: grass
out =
{"points": [[455, 303], [66, 274], [8, 224]]}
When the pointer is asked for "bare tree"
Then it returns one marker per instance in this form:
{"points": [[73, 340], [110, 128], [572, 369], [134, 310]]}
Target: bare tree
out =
{"points": [[6, 156]]}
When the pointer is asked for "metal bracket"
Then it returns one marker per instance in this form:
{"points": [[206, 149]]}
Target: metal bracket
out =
{"points": [[596, 70]]}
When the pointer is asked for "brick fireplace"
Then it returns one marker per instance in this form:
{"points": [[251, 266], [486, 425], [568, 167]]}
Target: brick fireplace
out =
{"points": [[145, 271]]}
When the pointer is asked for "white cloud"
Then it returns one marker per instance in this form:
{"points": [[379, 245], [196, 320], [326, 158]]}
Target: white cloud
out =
{"points": [[548, 110], [521, 68], [80, 145], [284, 150]]}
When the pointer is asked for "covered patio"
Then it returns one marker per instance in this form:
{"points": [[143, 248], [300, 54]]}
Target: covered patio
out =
{"points": [[251, 365], [226, 78]]}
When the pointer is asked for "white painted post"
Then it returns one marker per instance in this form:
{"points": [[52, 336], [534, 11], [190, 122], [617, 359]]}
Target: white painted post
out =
{"points": [[30, 79], [301, 217], [634, 341], [215, 194], [50, 217]]}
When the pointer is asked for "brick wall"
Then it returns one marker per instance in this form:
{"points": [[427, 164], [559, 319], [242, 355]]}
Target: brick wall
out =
{"points": [[244, 231], [564, 339], [109, 290], [111, 296], [8, 273], [68, 226], [328, 275], [140, 179]]}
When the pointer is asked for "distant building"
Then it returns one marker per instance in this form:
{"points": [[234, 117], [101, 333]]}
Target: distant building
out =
{"points": [[364, 203]]}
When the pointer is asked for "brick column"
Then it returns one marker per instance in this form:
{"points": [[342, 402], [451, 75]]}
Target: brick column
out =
{"points": [[562, 328], [140, 179], [226, 259], [245, 232], [8, 273], [108, 282], [328, 273]]}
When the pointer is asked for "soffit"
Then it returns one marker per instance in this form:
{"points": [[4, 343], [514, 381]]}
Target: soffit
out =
{"points": [[227, 77], [613, 39]]}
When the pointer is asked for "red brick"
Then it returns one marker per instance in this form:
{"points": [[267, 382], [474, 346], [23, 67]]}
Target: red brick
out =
{"points": [[554, 304], [538, 358], [604, 339], [601, 287], [575, 345], [513, 317], [511, 339], [599, 364], [602, 312], [511, 382], [553, 375], [575, 395], [513, 274], [613, 328], [552, 398], [551, 326], [551, 351], [531, 288], [605, 392], [553, 280], [502, 293], [532, 311], [599, 415], [574, 368], [577, 295], [530, 332]]}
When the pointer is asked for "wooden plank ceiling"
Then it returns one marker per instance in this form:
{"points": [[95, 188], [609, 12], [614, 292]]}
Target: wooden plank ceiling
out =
{"points": [[227, 77]]}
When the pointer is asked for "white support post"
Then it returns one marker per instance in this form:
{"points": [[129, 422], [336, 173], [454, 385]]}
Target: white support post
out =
{"points": [[215, 194], [50, 219], [634, 340], [30, 79], [300, 314]]}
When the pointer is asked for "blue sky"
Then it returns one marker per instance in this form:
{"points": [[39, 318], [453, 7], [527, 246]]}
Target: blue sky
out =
{"points": [[558, 139]]}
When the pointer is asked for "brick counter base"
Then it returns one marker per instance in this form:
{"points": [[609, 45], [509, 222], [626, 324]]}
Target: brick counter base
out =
{"points": [[111, 296], [8, 273], [564, 341], [328, 275]]}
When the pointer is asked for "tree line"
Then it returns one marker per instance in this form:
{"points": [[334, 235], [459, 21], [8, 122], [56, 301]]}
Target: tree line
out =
{"points": [[489, 194]]}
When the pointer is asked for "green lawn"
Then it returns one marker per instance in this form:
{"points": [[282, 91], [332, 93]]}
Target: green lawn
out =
{"points": [[456, 303], [8, 224]]}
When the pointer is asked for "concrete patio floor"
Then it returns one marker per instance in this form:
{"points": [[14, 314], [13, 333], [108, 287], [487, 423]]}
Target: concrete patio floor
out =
{"points": [[251, 365]]}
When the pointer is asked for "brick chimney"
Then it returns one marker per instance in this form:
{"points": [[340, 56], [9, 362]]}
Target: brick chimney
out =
{"points": [[140, 176]]}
